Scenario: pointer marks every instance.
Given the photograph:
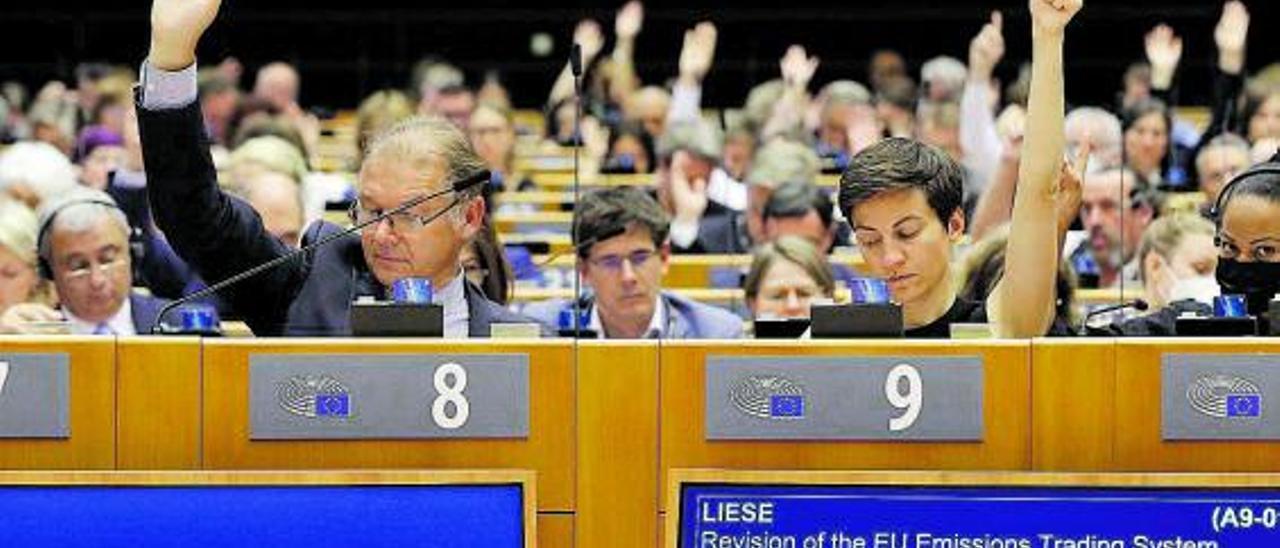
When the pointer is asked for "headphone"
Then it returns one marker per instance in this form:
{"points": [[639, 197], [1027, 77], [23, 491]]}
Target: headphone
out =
{"points": [[136, 245], [1270, 167]]}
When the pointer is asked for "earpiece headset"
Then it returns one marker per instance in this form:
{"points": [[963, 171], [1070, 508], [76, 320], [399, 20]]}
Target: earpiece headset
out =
{"points": [[42, 263]]}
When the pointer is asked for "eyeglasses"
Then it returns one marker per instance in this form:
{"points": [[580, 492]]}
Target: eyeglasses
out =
{"points": [[404, 219], [81, 270], [613, 263]]}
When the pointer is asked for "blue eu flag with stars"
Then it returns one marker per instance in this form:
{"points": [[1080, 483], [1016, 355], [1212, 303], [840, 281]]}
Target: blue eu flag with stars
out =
{"points": [[786, 406], [1244, 405], [333, 405]]}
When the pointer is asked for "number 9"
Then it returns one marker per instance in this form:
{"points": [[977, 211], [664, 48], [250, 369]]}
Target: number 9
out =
{"points": [[910, 401]]}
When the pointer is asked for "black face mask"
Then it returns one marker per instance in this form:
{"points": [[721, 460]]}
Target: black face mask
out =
{"points": [[1257, 281]]}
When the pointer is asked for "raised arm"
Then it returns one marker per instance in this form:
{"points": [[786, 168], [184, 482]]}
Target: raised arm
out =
{"points": [[1022, 304], [217, 234], [588, 35], [623, 80], [696, 56]]}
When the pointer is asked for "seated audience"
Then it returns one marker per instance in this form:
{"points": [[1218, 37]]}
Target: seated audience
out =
{"points": [[84, 249], [903, 201]]}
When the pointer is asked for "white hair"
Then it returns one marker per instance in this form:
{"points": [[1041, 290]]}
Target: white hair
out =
{"points": [[38, 166], [79, 210], [1104, 133]]}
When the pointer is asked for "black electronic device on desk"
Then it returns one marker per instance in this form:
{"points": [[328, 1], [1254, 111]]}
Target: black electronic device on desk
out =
{"points": [[857, 321], [396, 319], [1230, 319], [780, 328]]}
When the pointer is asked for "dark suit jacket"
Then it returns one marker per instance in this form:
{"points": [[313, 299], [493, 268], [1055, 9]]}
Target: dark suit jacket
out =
{"points": [[145, 311], [221, 235], [720, 231]]}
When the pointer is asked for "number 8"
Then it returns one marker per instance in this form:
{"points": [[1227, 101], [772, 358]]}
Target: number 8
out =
{"points": [[910, 401], [450, 394]]}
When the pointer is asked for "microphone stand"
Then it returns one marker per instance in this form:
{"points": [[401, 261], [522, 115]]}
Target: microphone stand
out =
{"points": [[160, 328]]}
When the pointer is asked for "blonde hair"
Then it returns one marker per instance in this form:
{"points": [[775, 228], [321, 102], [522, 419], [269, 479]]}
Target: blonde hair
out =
{"points": [[18, 230], [1166, 234], [380, 111], [793, 249]]}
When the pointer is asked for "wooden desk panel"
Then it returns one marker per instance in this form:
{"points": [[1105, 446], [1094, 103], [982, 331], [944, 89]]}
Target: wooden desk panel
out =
{"points": [[1006, 410], [1139, 446], [549, 449], [1073, 393], [93, 399], [555, 530], [158, 386], [618, 487]]}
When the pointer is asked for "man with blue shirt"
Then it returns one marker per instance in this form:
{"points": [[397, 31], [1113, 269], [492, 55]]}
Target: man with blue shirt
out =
{"points": [[621, 235]]}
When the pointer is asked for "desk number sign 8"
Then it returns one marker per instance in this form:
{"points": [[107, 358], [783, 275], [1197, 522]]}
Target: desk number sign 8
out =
{"points": [[450, 380], [909, 400]]}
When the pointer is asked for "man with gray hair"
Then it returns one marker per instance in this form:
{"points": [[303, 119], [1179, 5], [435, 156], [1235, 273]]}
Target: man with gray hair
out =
{"points": [[1218, 161], [222, 236], [83, 246], [1101, 130]]}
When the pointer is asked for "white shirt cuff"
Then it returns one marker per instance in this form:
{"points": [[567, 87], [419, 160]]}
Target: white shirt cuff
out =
{"points": [[166, 90], [683, 234]]}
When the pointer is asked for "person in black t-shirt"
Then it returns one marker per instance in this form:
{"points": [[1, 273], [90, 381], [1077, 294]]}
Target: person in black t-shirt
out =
{"points": [[903, 200]]}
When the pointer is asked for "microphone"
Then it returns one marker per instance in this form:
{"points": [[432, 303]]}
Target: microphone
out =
{"points": [[575, 66], [457, 187], [575, 60], [613, 231], [1136, 304]]}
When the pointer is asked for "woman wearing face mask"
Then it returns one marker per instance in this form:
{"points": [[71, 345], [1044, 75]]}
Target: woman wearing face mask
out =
{"points": [[1247, 238], [1177, 262], [786, 275]]}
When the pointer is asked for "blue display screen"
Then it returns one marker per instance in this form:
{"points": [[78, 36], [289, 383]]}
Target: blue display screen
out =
{"points": [[786, 516], [278, 516]]}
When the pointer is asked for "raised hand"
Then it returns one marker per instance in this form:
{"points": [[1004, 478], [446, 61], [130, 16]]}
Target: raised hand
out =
{"points": [[176, 27], [1068, 194], [698, 51], [987, 48], [590, 38], [629, 21], [1230, 36], [1164, 50], [1051, 16], [689, 196], [797, 67]]}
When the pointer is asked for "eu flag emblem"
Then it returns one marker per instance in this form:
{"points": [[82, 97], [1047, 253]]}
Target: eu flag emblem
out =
{"points": [[1244, 405], [784, 406], [333, 405]]}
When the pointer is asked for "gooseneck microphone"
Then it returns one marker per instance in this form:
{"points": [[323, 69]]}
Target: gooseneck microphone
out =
{"points": [[456, 187], [1136, 304]]}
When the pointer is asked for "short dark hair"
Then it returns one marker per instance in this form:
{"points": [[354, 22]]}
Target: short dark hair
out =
{"points": [[607, 210], [902, 164], [793, 200]]}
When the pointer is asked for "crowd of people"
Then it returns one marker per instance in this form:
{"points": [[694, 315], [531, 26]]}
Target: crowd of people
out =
{"points": [[973, 201]]}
